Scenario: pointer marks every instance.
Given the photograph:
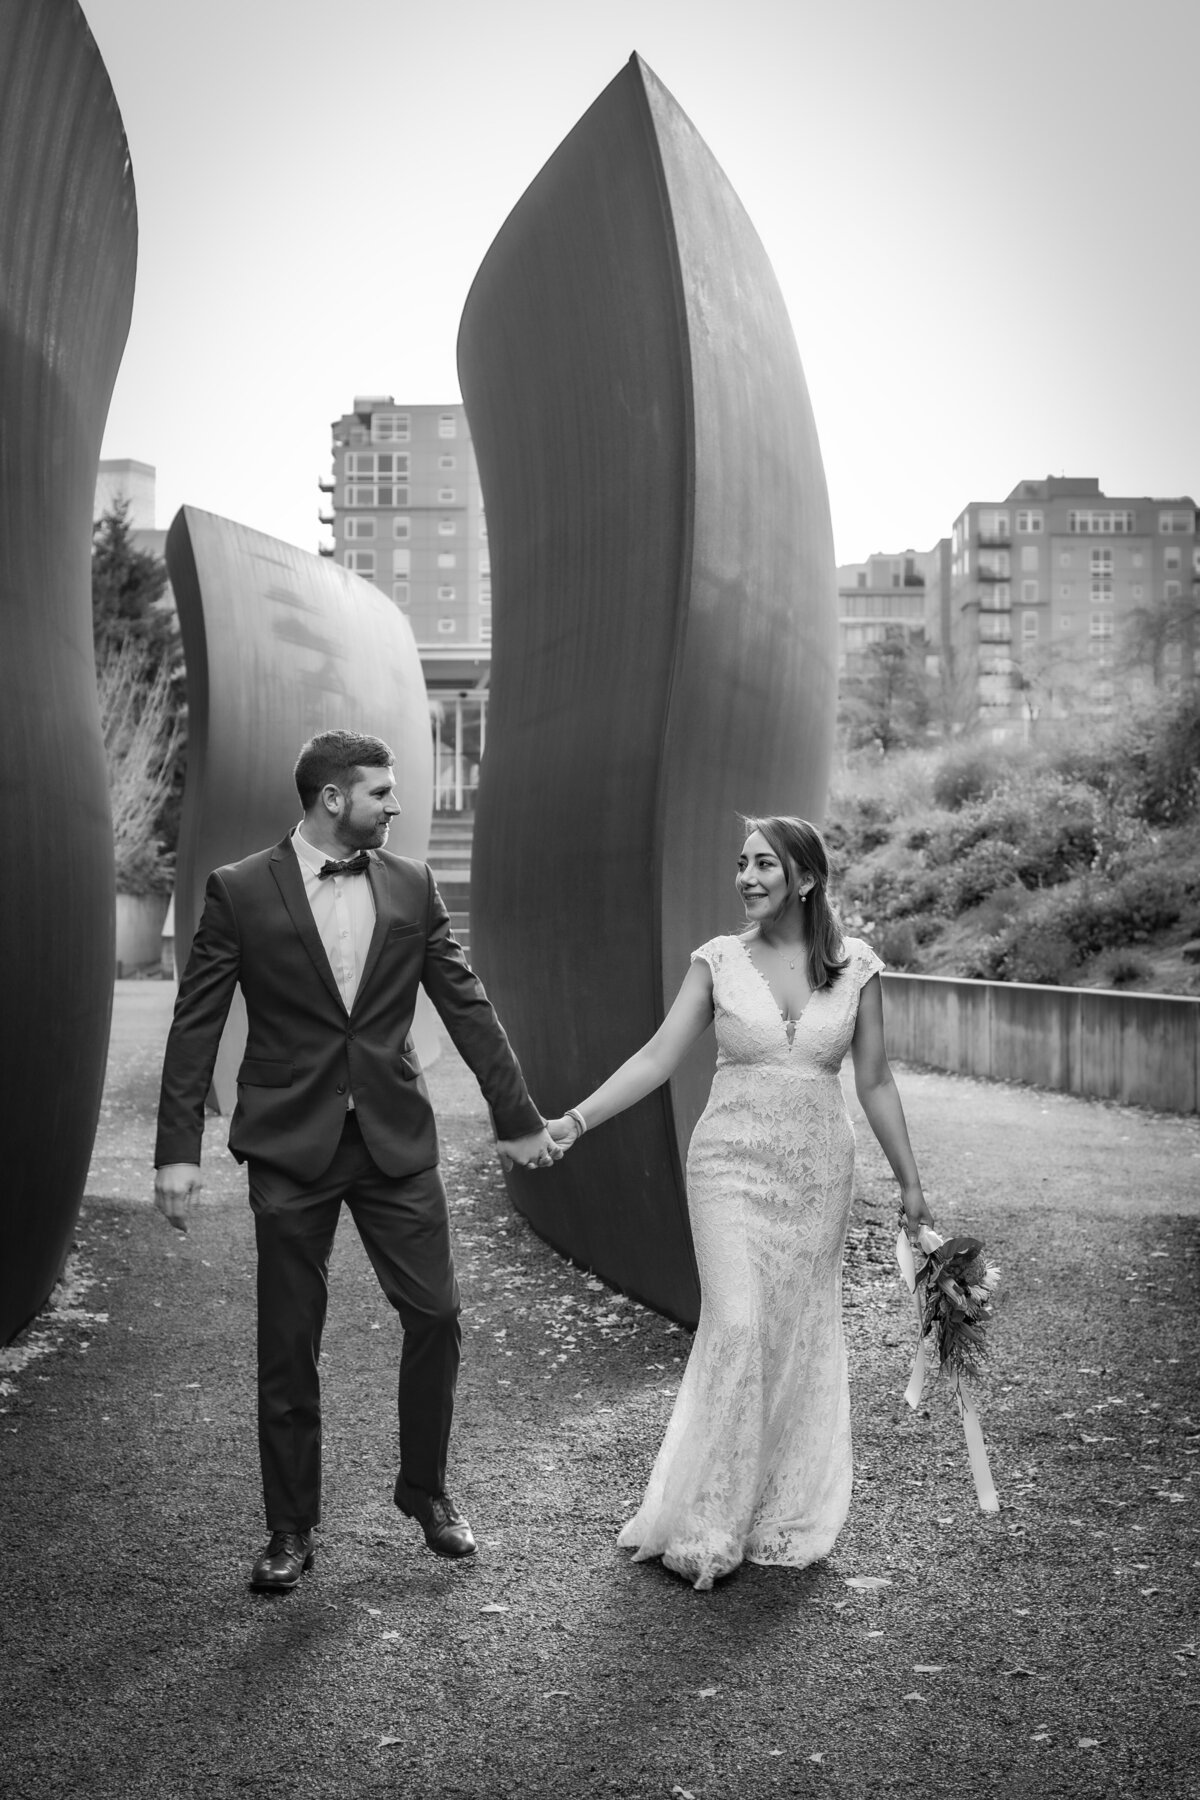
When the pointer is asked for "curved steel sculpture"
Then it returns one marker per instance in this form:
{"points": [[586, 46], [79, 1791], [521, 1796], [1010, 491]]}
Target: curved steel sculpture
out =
{"points": [[665, 651], [277, 645], [68, 227]]}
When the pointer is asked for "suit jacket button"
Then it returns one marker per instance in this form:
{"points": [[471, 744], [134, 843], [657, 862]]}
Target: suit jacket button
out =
{"points": [[341, 1087], [349, 1037]]}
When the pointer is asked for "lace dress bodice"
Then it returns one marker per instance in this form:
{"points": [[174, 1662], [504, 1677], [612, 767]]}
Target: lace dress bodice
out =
{"points": [[756, 1459]]}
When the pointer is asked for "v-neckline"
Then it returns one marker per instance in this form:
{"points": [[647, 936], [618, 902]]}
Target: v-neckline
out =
{"points": [[783, 1018]]}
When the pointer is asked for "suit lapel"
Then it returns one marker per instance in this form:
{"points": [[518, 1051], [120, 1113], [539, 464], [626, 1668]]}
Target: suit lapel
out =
{"points": [[385, 915], [286, 870]]}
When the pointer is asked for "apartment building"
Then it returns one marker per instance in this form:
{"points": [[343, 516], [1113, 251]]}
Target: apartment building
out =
{"points": [[1063, 600], [406, 512]]}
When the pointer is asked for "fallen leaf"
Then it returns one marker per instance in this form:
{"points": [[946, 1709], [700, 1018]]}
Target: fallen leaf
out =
{"points": [[1089, 1743], [557, 1694], [1040, 1737], [492, 1607], [866, 1583], [706, 1693], [682, 1793], [919, 1697], [874, 1634], [1020, 1671], [374, 1612], [817, 1756], [389, 1634], [385, 1741], [928, 1668], [1146, 1592]]}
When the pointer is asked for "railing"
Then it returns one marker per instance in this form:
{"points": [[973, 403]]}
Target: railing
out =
{"points": [[1140, 1049]]}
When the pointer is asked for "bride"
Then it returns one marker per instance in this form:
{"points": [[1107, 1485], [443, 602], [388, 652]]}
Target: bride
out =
{"points": [[756, 1460]]}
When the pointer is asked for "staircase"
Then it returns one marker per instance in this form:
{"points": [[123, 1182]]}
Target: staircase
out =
{"points": [[450, 859]]}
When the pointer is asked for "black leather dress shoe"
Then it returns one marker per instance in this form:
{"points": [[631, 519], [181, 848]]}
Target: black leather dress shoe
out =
{"points": [[285, 1559], [446, 1531]]}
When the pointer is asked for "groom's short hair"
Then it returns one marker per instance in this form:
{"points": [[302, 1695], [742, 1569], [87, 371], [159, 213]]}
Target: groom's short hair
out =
{"points": [[333, 756]]}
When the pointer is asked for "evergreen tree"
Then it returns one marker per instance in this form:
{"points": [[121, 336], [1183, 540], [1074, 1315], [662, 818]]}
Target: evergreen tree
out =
{"points": [[126, 584]]}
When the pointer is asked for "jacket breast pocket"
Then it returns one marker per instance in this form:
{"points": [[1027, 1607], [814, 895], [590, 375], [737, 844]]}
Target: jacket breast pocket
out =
{"points": [[403, 931], [257, 1071]]}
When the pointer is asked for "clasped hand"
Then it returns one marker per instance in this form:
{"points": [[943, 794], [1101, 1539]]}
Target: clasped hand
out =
{"points": [[536, 1150]]}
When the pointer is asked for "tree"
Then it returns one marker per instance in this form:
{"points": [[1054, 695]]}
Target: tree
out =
{"points": [[885, 698], [139, 672], [127, 584], [1162, 635]]}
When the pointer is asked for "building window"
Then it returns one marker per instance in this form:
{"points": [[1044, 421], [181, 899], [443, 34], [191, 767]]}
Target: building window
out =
{"points": [[361, 561], [389, 428], [993, 527], [1064, 559], [1029, 556], [485, 628], [447, 425], [402, 528], [1102, 562], [485, 593], [446, 593], [1173, 557], [360, 528], [447, 627], [1102, 524], [485, 563], [1066, 622], [1100, 625], [400, 592], [1137, 558], [1172, 590], [373, 478], [1029, 625], [402, 562], [995, 627], [1064, 592], [1169, 522], [447, 462], [358, 434], [1029, 593], [1101, 593], [447, 528], [446, 559], [446, 496], [1029, 521]]}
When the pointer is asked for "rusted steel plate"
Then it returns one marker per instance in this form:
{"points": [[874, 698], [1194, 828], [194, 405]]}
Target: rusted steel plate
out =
{"points": [[68, 252], [279, 644], [665, 633]]}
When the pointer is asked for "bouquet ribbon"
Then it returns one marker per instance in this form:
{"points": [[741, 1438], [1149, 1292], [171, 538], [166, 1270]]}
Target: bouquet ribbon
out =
{"points": [[985, 1487]]}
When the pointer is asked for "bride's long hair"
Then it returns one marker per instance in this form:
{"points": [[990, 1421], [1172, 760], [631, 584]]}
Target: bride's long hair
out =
{"points": [[801, 851]]}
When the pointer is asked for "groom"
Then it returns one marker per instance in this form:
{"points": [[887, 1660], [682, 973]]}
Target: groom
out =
{"points": [[329, 938]]}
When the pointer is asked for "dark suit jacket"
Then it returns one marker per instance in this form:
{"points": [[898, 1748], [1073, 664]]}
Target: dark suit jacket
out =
{"points": [[304, 1053]]}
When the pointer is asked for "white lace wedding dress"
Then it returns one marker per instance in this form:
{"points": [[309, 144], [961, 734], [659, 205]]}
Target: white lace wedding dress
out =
{"points": [[756, 1459]]}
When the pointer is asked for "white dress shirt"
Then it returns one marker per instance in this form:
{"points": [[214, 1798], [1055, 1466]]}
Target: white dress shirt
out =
{"points": [[343, 910]]}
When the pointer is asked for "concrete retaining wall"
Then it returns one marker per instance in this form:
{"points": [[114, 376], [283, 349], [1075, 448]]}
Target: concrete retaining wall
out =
{"points": [[1143, 1049], [139, 931]]}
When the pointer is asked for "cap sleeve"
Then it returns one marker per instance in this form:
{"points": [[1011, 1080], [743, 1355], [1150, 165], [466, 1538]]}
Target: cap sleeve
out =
{"points": [[863, 961], [711, 953]]}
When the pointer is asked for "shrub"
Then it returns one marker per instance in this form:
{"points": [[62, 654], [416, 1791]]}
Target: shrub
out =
{"points": [[965, 775], [1128, 966], [897, 943]]}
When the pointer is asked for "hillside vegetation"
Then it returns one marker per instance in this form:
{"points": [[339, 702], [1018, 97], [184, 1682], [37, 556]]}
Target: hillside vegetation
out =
{"points": [[1074, 861]]}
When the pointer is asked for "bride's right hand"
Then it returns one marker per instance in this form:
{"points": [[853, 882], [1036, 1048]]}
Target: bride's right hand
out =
{"points": [[564, 1131]]}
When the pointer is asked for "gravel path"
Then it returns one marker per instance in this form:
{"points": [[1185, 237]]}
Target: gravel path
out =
{"points": [[1051, 1650]]}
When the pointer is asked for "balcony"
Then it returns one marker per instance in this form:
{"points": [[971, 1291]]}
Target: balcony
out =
{"points": [[325, 518], [987, 571], [994, 540], [327, 484]]}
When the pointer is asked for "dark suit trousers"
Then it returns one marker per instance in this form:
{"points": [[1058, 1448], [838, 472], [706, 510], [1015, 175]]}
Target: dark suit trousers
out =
{"points": [[405, 1229]]}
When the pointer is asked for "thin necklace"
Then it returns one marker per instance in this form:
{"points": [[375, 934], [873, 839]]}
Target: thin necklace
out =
{"points": [[790, 960]]}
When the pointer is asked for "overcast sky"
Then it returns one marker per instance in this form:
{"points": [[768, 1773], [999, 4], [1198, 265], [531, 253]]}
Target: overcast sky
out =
{"points": [[981, 215]]}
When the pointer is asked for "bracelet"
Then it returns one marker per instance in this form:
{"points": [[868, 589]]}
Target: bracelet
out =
{"points": [[573, 1112]]}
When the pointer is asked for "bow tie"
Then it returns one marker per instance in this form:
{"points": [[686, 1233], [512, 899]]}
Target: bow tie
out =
{"points": [[357, 864]]}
